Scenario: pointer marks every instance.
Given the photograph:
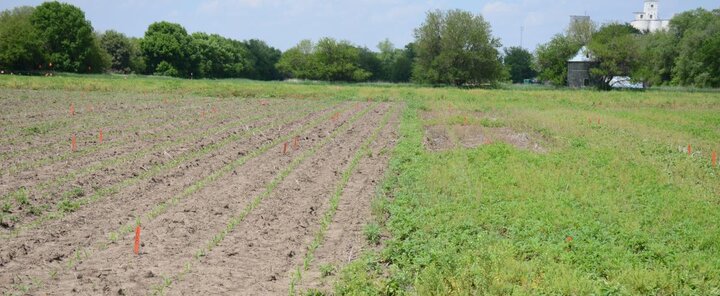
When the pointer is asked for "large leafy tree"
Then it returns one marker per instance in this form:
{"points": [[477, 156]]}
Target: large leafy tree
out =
{"points": [[169, 50], [519, 62], [657, 58], [456, 47], [219, 57], [299, 61], [263, 59], [616, 51], [697, 37], [120, 48], [551, 59], [20, 45], [67, 37], [327, 59]]}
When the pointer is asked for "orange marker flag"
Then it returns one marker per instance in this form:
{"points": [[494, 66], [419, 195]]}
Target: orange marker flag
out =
{"points": [[72, 109], [285, 147], [137, 240], [689, 149], [73, 144], [100, 137], [714, 159]]}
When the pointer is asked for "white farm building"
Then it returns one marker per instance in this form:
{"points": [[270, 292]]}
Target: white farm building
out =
{"points": [[649, 19]]}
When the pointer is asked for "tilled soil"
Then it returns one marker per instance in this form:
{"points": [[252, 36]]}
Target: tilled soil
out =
{"points": [[48, 192], [89, 251], [38, 253], [345, 240], [260, 255]]}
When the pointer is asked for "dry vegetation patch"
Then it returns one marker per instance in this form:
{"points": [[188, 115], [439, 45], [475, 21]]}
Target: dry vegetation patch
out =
{"points": [[448, 129]]}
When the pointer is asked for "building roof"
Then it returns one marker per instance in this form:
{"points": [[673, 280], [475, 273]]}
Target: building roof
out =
{"points": [[583, 55]]}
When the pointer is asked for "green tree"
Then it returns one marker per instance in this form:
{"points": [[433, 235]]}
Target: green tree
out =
{"points": [[697, 35], [20, 45], [67, 38], [456, 47], [551, 59], [169, 43], [219, 57], [299, 62], [262, 59], [580, 30], [327, 60], [137, 60], [120, 48], [657, 58], [519, 62], [616, 51]]}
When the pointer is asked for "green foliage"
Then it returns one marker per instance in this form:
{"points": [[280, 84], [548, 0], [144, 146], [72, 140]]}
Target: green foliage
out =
{"points": [[657, 58], [581, 30], [638, 214], [20, 46], [327, 60], [262, 60], [68, 206], [372, 233], [67, 38], [616, 51], [219, 57], [327, 270], [519, 62], [169, 50], [552, 57], [697, 37], [121, 49], [456, 47]]}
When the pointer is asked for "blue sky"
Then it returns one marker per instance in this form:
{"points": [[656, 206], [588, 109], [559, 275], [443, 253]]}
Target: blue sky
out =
{"points": [[282, 23]]}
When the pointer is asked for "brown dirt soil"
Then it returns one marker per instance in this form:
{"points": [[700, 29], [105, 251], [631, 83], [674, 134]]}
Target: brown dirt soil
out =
{"points": [[108, 176], [345, 240], [259, 257], [33, 255]]}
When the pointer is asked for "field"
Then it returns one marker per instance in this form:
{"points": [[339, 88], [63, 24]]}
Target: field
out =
{"points": [[244, 187]]}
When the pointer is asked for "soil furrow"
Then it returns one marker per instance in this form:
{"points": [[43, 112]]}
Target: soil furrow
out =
{"points": [[82, 230], [257, 257], [122, 137], [119, 249], [344, 240], [142, 161]]}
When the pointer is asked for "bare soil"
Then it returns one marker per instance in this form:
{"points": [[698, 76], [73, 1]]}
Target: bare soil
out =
{"points": [[77, 253]]}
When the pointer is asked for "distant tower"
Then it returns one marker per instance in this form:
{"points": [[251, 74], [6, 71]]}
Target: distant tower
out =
{"points": [[649, 20]]}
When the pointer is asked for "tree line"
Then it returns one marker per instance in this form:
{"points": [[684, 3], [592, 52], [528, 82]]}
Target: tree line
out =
{"points": [[452, 47], [688, 54]]}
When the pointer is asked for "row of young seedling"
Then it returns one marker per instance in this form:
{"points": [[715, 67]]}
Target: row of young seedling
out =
{"points": [[329, 214], [166, 126], [165, 205], [270, 187], [69, 203]]}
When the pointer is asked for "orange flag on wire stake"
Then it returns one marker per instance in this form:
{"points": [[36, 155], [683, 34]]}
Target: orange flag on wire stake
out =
{"points": [[137, 240]]}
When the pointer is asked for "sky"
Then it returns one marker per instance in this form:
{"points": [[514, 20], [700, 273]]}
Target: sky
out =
{"points": [[283, 23]]}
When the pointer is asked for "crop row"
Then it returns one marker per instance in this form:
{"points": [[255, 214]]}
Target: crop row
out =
{"points": [[329, 214], [232, 223], [68, 204], [84, 253]]}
